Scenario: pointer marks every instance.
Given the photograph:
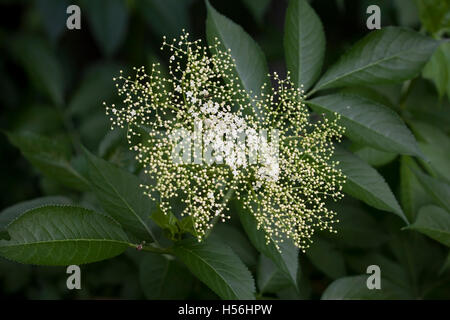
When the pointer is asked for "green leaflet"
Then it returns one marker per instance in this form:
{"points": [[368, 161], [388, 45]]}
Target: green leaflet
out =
{"points": [[325, 257], [167, 18], [365, 183], [51, 157], [389, 55], [434, 15], [11, 213], [435, 144], [286, 260], [237, 241], [412, 194], [217, 266], [434, 222], [438, 70], [438, 190], [95, 88], [257, 8], [304, 43], [120, 195], [63, 235], [270, 278], [368, 122], [108, 20], [251, 67], [41, 65], [355, 288], [163, 277], [373, 156]]}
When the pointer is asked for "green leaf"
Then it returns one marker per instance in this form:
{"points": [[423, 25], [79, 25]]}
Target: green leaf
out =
{"points": [[121, 196], [257, 8], [325, 257], [53, 15], [435, 16], [162, 277], [270, 278], [251, 67], [389, 55], [435, 144], [437, 69], [355, 288], [108, 20], [368, 122], [51, 157], [304, 43], [11, 213], [94, 89], [218, 267], [372, 156], [167, 222], [434, 222], [390, 270], [286, 260], [234, 238], [42, 67], [356, 227], [366, 184], [438, 190], [412, 194], [166, 18], [63, 235]]}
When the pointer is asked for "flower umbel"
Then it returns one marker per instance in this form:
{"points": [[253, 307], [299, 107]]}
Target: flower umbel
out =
{"points": [[282, 179]]}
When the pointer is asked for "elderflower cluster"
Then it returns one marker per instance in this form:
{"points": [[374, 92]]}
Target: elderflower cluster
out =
{"points": [[282, 179]]}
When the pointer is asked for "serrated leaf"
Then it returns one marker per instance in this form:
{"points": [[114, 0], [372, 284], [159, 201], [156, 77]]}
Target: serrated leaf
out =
{"points": [[390, 270], [94, 89], [286, 260], [53, 15], [412, 194], [355, 288], [108, 20], [325, 257], [438, 69], [366, 184], [372, 156], [434, 222], [356, 227], [121, 196], [270, 278], [163, 278], [389, 55], [217, 266], [51, 157], [63, 235], [435, 144], [257, 8], [166, 18], [304, 43], [435, 16], [41, 65], [368, 122], [237, 241], [438, 190], [251, 67], [11, 213]]}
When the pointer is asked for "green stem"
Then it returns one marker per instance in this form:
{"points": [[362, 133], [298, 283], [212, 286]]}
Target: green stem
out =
{"points": [[151, 248]]}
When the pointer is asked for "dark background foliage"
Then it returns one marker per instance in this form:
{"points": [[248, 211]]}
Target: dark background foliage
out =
{"points": [[120, 34]]}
